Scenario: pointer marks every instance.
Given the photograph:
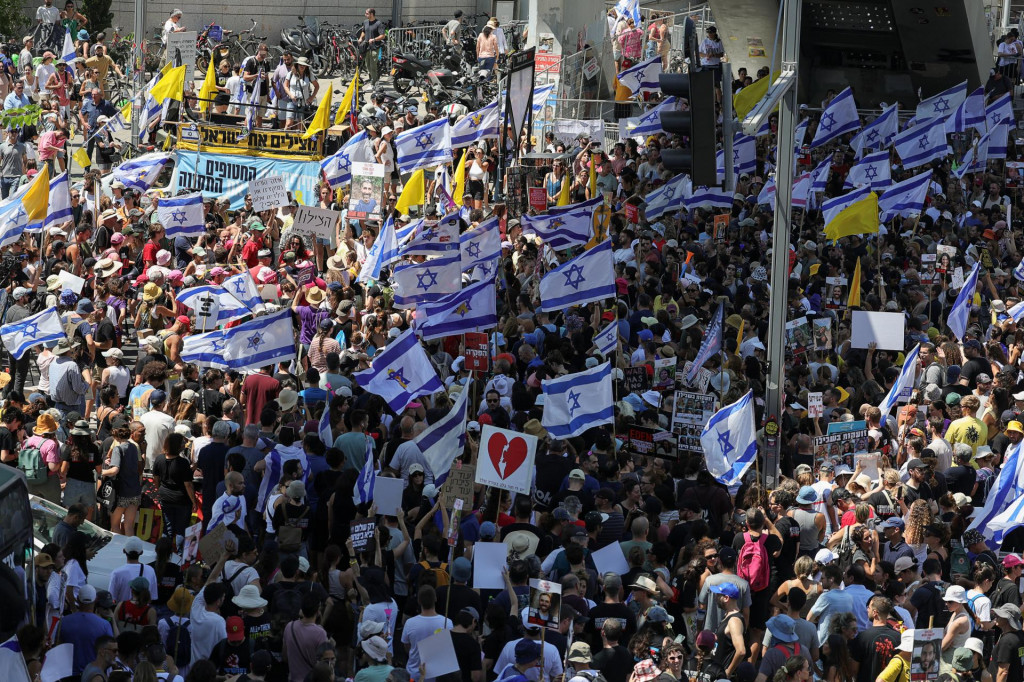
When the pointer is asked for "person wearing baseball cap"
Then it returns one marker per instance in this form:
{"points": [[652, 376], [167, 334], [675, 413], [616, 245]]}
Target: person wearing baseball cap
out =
{"points": [[895, 547], [233, 655], [1006, 589], [1006, 659]]}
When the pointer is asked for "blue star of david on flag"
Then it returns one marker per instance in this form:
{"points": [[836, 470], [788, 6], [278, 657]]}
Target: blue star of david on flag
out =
{"points": [[398, 376], [872, 135], [574, 276], [473, 249], [255, 341], [724, 444], [574, 403], [424, 141], [218, 344], [239, 286], [941, 105], [30, 329], [729, 441], [426, 280], [923, 143], [871, 172], [827, 121], [178, 217]]}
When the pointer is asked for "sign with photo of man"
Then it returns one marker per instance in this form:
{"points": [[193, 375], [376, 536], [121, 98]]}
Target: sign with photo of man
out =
{"points": [[367, 191]]}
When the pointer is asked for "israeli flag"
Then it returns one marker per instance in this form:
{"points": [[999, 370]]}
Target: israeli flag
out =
{"points": [[744, 154], [383, 252], [406, 232], [577, 402], [444, 440], [879, 133], [243, 287], [819, 176], [424, 146], [766, 197], [468, 310], [961, 311], [401, 372], [230, 505], [586, 278], [711, 344], [274, 462], [670, 196], [59, 211], [1004, 504], [943, 104], [482, 244], [802, 190], [729, 441], [182, 215], [840, 117], [252, 109], [607, 340], [441, 238], [477, 125], [905, 198], [262, 341], [1018, 271], [562, 230], [922, 143], [1017, 311], [642, 77], [976, 157], [629, 8], [904, 386], [363, 491], [337, 167], [44, 327], [149, 113], [486, 269], [995, 138], [709, 197], [13, 221], [141, 172], [871, 171], [68, 51], [800, 134], [540, 98], [230, 307], [969, 115], [12, 661], [650, 123], [1000, 111], [419, 283]]}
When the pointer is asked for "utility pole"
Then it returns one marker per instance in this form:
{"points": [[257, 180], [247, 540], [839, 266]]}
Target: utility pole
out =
{"points": [[138, 60]]}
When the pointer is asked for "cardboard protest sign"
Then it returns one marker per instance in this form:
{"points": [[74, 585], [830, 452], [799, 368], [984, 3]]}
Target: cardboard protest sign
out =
{"points": [[815, 406], [927, 652], [268, 192], [841, 448], [488, 560], [387, 494], [367, 191], [636, 379], [190, 552], [312, 223], [506, 459], [690, 413], [211, 545], [884, 329], [459, 485]]}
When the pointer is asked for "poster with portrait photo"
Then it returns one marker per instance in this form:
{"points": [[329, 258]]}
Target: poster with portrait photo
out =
{"points": [[841, 448], [822, 333], [690, 412], [927, 273], [545, 603], [924, 664], [798, 335], [836, 292], [664, 374], [944, 258], [367, 191]]}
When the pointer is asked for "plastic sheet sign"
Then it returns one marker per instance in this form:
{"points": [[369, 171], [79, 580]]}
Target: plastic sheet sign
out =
{"points": [[268, 192]]}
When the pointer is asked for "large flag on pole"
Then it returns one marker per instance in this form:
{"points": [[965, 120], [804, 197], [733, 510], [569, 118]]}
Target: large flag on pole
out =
{"points": [[904, 386], [642, 77], [401, 372], [905, 198], [1004, 503], [182, 215], [879, 133], [443, 441], [729, 441], [961, 310], [711, 344], [586, 278], [923, 143], [943, 104], [574, 403], [425, 145], [467, 310], [838, 118], [44, 327]]}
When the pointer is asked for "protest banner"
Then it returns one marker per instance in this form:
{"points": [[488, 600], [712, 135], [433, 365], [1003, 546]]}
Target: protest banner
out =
{"points": [[477, 356], [841, 448], [798, 335], [190, 551], [312, 223], [700, 382], [538, 199], [227, 176], [545, 603], [211, 545], [367, 191], [361, 532], [636, 379], [884, 329], [181, 51], [927, 651], [846, 427], [664, 374], [506, 459], [815, 407], [270, 144], [268, 192], [488, 560], [690, 413], [459, 485]]}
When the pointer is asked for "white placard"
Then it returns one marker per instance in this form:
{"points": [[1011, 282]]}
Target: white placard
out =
{"points": [[185, 44], [367, 191], [610, 559], [59, 663], [387, 494], [815, 407], [885, 329], [442, 659], [506, 459], [590, 68], [268, 192], [190, 551], [207, 311], [958, 281], [313, 222], [71, 281], [868, 464], [488, 560]]}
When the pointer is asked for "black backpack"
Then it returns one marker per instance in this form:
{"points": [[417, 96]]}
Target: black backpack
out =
{"points": [[229, 609], [179, 641]]}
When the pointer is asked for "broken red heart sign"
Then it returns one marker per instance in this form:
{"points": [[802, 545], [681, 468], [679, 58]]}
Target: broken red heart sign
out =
{"points": [[507, 455]]}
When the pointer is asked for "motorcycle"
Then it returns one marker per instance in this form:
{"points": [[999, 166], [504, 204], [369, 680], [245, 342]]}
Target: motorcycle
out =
{"points": [[407, 68], [304, 40]]}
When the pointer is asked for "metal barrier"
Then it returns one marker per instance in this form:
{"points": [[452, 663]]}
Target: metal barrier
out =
{"points": [[412, 39]]}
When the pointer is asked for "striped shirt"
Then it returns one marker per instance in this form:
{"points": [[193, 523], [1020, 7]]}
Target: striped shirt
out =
{"points": [[66, 383]]}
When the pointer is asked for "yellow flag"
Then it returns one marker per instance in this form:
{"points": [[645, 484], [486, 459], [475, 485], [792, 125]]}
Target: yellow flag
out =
{"points": [[346, 100], [322, 118], [563, 195], [170, 86], [593, 179], [854, 299], [209, 88], [37, 199], [747, 98], [739, 335], [859, 217], [81, 157], [460, 179], [412, 193], [126, 112], [843, 394]]}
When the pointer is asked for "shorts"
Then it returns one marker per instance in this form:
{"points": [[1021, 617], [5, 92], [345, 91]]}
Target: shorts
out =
{"points": [[476, 188], [81, 492], [760, 606], [126, 502]]}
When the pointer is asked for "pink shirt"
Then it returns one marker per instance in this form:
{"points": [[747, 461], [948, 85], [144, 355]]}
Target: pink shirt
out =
{"points": [[48, 449]]}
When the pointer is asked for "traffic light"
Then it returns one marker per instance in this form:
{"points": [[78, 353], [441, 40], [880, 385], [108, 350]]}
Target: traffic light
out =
{"points": [[697, 125]]}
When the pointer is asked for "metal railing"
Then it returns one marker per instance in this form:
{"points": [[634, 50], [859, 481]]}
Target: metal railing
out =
{"points": [[412, 39]]}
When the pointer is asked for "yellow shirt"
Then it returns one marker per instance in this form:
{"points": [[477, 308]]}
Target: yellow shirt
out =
{"points": [[897, 670], [969, 430]]}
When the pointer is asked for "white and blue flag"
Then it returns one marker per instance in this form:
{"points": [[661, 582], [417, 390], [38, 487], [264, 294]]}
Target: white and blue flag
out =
{"points": [[274, 462], [482, 244], [629, 8], [607, 340], [1018, 272], [564, 229], [149, 113], [650, 122], [383, 252], [905, 198], [337, 168], [141, 172], [669, 197], [879, 133], [423, 146], [996, 141], [710, 197], [871, 171], [231, 308], [961, 310], [819, 176], [922, 143], [642, 77], [419, 283], [44, 327], [232, 508], [13, 220], [252, 109], [577, 402], [182, 215], [59, 210], [1000, 111], [838, 118], [400, 373], [970, 115], [1004, 504], [477, 125], [468, 310], [540, 98], [243, 287], [68, 51], [903, 388], [438, 239], [444, 440], [323, 427], [262, 341], [586, 278], [976, 156], [744, 154], [943, 104], [363, 490], [711, 344], [729, 441]]}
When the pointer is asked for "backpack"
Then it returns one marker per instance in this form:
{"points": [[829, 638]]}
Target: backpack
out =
{"points": [[286, 605], [229, 609], [959, 562], [844, 552], [973, 613], [440, 574], [30, 461], [179, 641], [753, 564], [289, 534]]}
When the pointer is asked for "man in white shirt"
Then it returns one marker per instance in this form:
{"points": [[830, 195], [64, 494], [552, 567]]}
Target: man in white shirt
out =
{"points": [[422, 626], [47, 15], [172, 25], [551, 666], [158, 425], [121, 577], [208, 626]]}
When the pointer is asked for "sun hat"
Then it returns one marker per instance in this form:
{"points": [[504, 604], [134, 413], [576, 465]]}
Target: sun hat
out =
{"points": [[376, 648], [807, 495], [646, 584], [249, 598], [955, 593]]}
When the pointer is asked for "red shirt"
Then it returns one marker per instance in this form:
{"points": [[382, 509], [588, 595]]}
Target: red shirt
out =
{"points": [[149, 252], [250, 252], [258, 389]]}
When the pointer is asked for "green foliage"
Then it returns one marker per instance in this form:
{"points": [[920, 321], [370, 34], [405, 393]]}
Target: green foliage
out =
{"points": [[98, 12], [12, 18], [21, 117]]}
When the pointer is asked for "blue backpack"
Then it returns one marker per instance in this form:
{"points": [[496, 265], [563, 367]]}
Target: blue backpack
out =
{"points": [[179, 641]]}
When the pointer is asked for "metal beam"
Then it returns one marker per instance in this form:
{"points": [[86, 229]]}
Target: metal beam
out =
{"points": [[138, 58]]}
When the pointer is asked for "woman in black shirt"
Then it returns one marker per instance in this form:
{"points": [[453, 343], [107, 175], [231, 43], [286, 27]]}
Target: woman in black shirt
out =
{"points": [[172, 476], [83, 461]]}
